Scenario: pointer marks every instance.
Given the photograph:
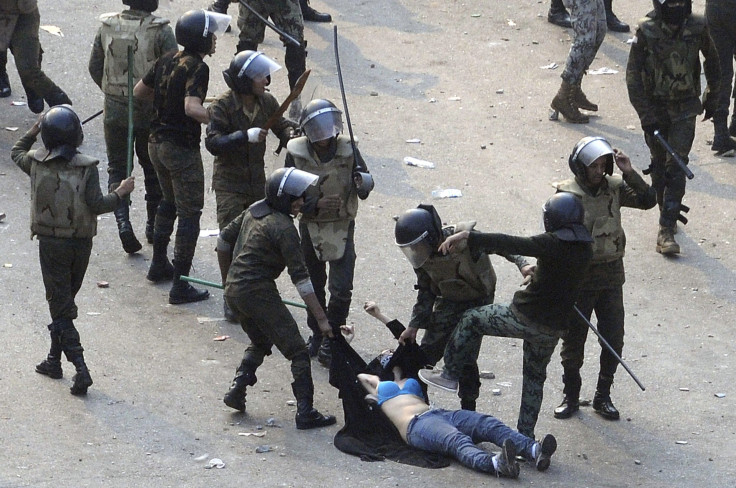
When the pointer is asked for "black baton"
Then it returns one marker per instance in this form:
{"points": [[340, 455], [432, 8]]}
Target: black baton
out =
{"points": [[675, 156]]}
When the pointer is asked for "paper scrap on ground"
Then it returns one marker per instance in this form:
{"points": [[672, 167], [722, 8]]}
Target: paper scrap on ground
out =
{"points": [[419, 163], [603, 71], [52, 29], [550, 66], [209, 232]]}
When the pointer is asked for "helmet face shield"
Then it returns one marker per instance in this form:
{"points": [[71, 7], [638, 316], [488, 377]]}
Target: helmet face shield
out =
{"points": [[322, 124], [215, 23], [418, 250], [258, 66], [295, 182]]}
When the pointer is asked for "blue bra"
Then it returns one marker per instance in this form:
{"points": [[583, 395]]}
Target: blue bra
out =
{"points": [[390, 389]]}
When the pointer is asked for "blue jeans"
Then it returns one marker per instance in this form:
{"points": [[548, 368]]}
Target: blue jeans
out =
{"points": [[456, 432]]}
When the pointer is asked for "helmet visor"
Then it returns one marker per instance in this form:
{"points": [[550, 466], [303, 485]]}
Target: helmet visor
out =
{"points": [[323, 124], [418, 250], [593, 150], [258, 66], [215, 23], [295, 182]]}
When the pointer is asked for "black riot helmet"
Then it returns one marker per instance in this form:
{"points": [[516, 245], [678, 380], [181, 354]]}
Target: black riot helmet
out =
{"points": [[418, 233], [563, 216], [320, 120], [673, 12], [285, 185], [196, 29], [586, 151], [247, 66], [61, 131], [145, 5]]}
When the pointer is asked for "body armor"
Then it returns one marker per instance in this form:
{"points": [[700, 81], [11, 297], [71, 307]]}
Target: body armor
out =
{"points": [[58, 206], [602, 218], [457, 277], [118, 32]]}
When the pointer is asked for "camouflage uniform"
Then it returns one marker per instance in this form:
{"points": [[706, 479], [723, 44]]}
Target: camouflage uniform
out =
{"points": [[589, 29], [262, 248], [539, 314], [173, 146], [602, 288], [151, 37], [65, 200], [287, 16], [328, 235], [663, 80], [238, 177], [448, 286], [19, 24], [721, 18]]}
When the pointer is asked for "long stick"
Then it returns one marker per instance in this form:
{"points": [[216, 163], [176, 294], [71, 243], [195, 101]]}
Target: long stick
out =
{"points": [[345, 103], [272, 26], [96, 114], [607, 346], [218, 285], [295, 92], [130, 111], [673, 153]]}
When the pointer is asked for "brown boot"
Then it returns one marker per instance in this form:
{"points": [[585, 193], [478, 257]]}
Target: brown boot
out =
{"points": [[666, 243], [581, 100], [563, 103]]}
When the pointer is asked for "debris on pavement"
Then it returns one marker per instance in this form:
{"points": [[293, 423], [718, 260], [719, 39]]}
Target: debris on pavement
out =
{"points": [[419, 163], [215, 463], [447, 193]]}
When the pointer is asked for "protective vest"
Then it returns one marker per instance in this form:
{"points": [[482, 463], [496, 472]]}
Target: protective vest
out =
{"points": [[117, 33], [329, 229], [457, 277], [602, 217], [58, 206], [672, 66]]}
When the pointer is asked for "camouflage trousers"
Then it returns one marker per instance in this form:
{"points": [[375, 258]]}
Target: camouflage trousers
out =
{"points": [[501, 321], [230, 205], [608, 305], [285, 14], [721, 17], [589, 29], [181, 175], [667, 177], [63, 266]]}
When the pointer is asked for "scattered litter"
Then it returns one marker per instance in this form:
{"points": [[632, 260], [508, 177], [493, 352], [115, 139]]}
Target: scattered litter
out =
{"points": [[511, 23], [504, 383], [684, 389], [17, 103], [202, 457], [374, 94], [487, 375], [603, 71], [630, 40], [264, 448], [682, 443], [637, 462], [52, 29], [11, 129], [103, 284], [447, 193], [271, 422], [215, 463], [482, 146], [454, 99], [496, 391], [413, 141], [419, 163], [93, 314], [475, 15], [720, 395], [291, 403], [255, 434], [7, 265], [204, 320], [209, 232], [221, 338], [499, 91], [432, 100], [2, 216], [550, 66]]}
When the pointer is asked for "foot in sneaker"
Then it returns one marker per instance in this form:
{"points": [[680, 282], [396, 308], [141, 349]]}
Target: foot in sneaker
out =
{"points": [[544, 450], [433, 377], [505, 461]]}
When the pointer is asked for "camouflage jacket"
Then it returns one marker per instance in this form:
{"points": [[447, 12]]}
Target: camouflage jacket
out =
{"points": [[548, 300], [175, 76], [239, 166], [457, 277], [603, 221], [262, 248], [663, 71], [65, 195], [151, 36]]}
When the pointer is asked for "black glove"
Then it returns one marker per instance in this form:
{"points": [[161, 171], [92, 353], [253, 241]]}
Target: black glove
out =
{"points": [[710, 103]]}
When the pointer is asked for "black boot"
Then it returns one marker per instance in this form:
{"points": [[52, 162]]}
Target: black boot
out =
{"points": [[559, 15], [34, 101], [161, 269], [613, 22], [151, 208], [307, 417], [245, 376], [311, 15], [181, 291], [571, 403], [130, 243], [51, 366], [602, 403], [73, 350], [722, 140], [57, 97]]}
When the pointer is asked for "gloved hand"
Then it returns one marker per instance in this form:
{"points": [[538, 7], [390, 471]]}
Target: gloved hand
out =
{"points": [[710, 103]]}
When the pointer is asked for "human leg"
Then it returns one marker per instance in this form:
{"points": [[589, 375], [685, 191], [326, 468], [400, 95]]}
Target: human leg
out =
{"points": [[150, 180], [311, 15], [538, 349], [558, 15], [318, 275], [161, 269], [610, 313], [252, 30], [614, 23], [720, 18], [4, 80]]}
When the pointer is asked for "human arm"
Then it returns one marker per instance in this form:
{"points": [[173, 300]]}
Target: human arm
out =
{"points": [[363, 189], [194, 109], [19, 153], [221, 135], [97, 60], [99, 203], [195, 91], [421, 313], [712, 70], [396, 327], [370, 385], [635, 192], [310, 299], [225, 243], [143, 91]]}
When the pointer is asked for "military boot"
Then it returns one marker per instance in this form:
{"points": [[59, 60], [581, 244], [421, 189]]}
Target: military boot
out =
{"points": [[602, 403], [613, 22], [579, 99], [723, 143], [161, 269], [311, 15], [57, 97], [666, 243], [563, 103], [4, 84], [559, 15], [571, 402], [130, 243], [307, 417], [73, 350], [151, 207], [51, 366], [245, 376], [182, 291], [34, 101]]}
